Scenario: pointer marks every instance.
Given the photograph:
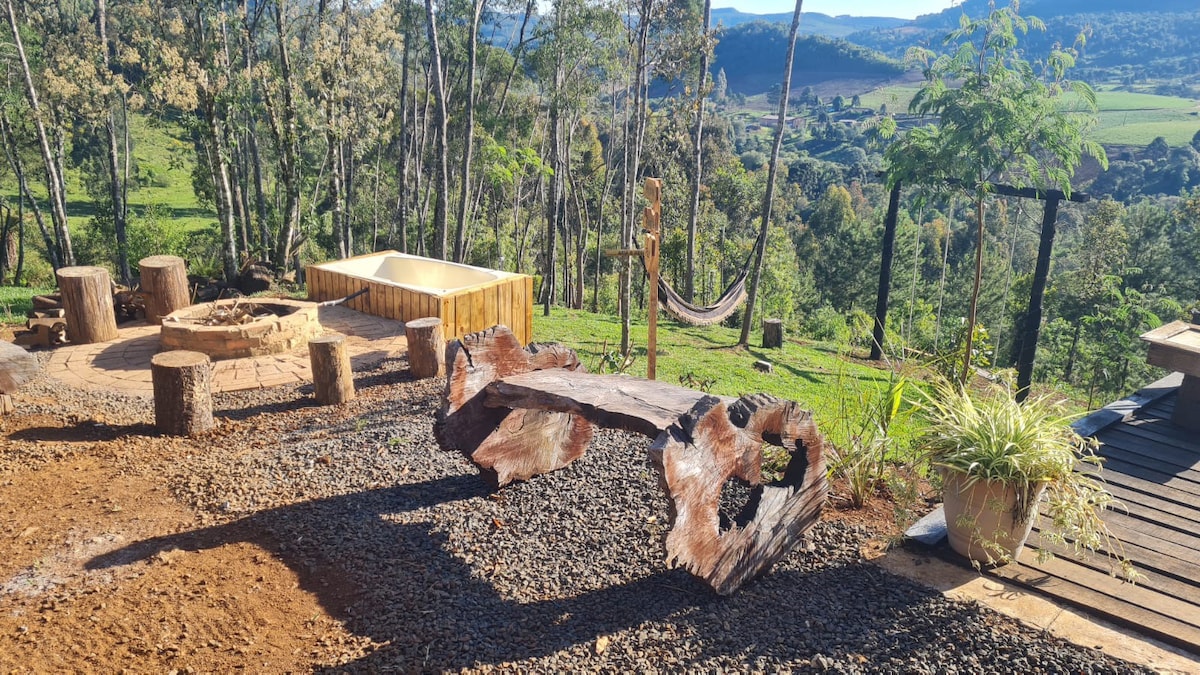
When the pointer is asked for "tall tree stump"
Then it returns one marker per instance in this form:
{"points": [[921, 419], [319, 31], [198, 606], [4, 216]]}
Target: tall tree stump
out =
{"points": [[164, 286], [772, 334], [426, 347], [333, 379], [87, 299], [182, 394]]}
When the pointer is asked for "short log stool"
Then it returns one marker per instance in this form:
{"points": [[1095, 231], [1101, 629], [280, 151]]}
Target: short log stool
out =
{"points": [[426, 347], [87, 300], [333, 379], [182, 392]]}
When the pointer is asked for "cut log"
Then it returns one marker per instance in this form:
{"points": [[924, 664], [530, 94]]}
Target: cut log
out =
{"points": [[164, 286], [507, 444], [772, 334], [333, 379], [714, 443], [87, 298], [47, 302], [182, 392], [426, 347], [17, 366]]}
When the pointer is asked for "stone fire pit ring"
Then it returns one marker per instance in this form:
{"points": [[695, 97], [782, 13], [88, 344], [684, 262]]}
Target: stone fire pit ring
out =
{"points": [[290, 325]]}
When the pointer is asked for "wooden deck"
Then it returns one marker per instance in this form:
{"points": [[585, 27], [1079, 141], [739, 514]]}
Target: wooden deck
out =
{"points": [[1153, 468]]}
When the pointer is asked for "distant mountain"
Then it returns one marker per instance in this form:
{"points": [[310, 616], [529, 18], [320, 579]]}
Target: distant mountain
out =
{"points": [[751, 54], [811, 23], [1129, 40]]}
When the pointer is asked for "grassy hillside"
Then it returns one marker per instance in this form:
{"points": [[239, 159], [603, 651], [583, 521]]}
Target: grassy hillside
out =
{"points": [[163, 157]]}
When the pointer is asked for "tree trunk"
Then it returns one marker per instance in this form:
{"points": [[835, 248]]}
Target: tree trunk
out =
{"points": [[460, 235], [220, 176], [772, 172], [287, 138], [54, 179], [689, 289], [165, 285], [182, 392], [885, 272], [87, 300], [18, 167], [971, 315], [443, 140], [1032, 325], [333, 378], [426, 347]]}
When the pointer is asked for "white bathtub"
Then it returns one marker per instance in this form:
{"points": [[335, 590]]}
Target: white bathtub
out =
{"points": [[406, 287]]}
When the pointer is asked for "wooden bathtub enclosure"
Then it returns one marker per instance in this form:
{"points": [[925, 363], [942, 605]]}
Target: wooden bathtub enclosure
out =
{"points": [[492, 297]]}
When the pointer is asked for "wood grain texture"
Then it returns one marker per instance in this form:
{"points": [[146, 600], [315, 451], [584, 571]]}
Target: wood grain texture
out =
{"points": [[182, 392], [333, 377], [507, 444], [521, 412], [87, 299], [164, 286], [426, 347]]}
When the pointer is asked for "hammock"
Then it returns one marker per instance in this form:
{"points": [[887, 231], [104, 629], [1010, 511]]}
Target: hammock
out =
{"points": [[688, 313]]}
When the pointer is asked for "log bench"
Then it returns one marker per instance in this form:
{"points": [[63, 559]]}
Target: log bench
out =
{"points": [[519, 412]]}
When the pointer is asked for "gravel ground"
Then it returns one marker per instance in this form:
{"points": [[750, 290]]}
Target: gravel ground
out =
{"points": [[433, 571]]}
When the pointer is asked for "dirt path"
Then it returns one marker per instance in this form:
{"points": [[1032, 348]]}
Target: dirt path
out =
{"points": [[205, 610]]}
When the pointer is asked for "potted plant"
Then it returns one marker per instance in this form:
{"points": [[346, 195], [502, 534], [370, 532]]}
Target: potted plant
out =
{"points": [[1002, 462]]}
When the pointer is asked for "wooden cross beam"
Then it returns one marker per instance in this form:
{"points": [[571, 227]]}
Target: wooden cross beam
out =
{"points": [[649, 253]]}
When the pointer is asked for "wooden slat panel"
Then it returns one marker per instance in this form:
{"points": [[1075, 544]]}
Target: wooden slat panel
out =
{"points": [[462, 309], [477, 311], [491, 306], [393, 304], [528, 300], [1155, 510], [446, 313], [1116, 610], [1181, 485], [505, 303]]}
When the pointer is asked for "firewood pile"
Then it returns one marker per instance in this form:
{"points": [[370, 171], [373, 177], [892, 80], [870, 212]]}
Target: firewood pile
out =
{"points": [[236, 314]]}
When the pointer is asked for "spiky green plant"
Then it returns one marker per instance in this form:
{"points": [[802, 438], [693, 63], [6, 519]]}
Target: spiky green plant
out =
{"points": [[989, 436]]}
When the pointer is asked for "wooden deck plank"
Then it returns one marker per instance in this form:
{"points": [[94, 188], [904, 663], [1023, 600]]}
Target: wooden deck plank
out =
{"points": [[1151, 508], [1156, 432], [1115, 609], [1172, 459], [1189, 490], [1164, 574]]}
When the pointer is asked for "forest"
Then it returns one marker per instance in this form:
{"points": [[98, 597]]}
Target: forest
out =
{"points": [[516, 136]]}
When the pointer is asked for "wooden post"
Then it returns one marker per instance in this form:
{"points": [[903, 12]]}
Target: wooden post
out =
{"points": [[333, 379], [426, 347], [182, 394], [164, 286], [87, 300], [772, 334], [652, 218]]}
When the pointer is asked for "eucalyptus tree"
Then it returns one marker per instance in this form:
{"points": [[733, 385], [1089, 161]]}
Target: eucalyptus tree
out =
{"points": [[702, 92], [999, 118], [438, 77], [52, 160], [772, 172]]}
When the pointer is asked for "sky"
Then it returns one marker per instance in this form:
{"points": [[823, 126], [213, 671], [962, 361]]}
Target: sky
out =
{"points": [[903, 9]]}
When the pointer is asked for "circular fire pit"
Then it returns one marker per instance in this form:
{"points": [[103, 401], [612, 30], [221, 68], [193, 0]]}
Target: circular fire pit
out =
{"points": [[240, 327]]}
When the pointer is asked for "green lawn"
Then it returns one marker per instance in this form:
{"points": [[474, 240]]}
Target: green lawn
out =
{"points": [[819, 376]]}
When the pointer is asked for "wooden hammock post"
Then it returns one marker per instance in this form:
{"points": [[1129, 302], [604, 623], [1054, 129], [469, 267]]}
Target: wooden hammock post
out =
{"points": [[652, 218]]}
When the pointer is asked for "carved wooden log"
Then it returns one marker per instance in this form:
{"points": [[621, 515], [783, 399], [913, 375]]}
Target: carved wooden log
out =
{"points": [[507, 444], [772, 333], [426, 347], [715, 442], [87, 298], [164, 286], [700, 442], [182, 394], [333, 379], [17, 366]]}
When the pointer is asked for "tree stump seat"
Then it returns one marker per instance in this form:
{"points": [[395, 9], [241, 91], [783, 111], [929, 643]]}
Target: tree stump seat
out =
{"points": [[519, 412]]}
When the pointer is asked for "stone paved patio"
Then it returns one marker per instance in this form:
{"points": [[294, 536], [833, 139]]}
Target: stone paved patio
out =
{"points": [[123, 364]]}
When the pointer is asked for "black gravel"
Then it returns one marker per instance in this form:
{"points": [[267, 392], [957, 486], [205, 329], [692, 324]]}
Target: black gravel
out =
{"points": [[434, 571]]}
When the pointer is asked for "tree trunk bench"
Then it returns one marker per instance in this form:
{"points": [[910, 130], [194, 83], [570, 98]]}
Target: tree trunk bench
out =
{"points": [[520, 412]]}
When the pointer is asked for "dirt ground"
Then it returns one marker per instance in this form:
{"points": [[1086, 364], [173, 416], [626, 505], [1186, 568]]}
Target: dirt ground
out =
{"points": [[225, 608]]}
